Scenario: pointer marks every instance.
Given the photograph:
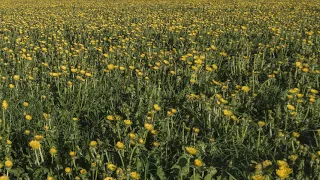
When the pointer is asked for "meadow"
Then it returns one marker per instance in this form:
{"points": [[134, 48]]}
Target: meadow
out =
{"points": [[156, 90]]}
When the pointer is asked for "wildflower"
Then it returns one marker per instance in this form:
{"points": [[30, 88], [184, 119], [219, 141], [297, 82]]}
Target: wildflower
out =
{"points": [[290, 107], [295, 134], [294, 90], [11, 86], [93, 144], [88, 74], [313, 91], [289, 96], [9, 142], [283, 172], [214, 66], [4, 104], [223, 54], [258, 177], [75, 119], [83, 171], [25, 104], [16, 77], [68, 170], [245, 88], [281, 163], [34, 144], [154, 132], [38, 137], [191, 150], [261, 124], [148, 126], [300, 95], [135, 175], [28, 117], [120, 145], [156, 144], [8, 163], [4, 177], [72, 154], [198, 162], [196, 130], [141, 141], [53, 151], [110, 67], [109, 178], [132, 136], [110, 118], [227, 112], [156, 107], [127, 122], [111, 167]]}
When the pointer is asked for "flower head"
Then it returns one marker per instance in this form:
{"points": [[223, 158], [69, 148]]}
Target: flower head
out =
{"points": [[191, 150], [34, 144]]}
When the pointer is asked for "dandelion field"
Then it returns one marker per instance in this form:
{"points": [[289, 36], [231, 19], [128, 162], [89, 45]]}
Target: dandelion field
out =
{"points": [[159, 89]]}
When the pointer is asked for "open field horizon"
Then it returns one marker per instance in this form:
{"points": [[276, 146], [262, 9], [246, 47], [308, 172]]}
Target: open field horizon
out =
{"points": [[159, 90]]}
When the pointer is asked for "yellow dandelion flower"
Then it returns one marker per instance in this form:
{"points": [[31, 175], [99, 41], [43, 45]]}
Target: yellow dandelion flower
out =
{"points": [[120, 145], [16, 77], [132, 136], [9, 142], [295, 134], [72, 154], [198, 162], [135, 175], [283, 172], [110, 118], [34, 144], [83, 171], [25, 104], [4, 177], [191, 150], [68, 170], [258, 177], [8, 163], [290, 107], [156, 107], [53, 151], [4, 104], [261, 124], [11, 86], [282, 163], [148, 126], [227, 112], [28, 117], [313, 91], [111, 167], [127, 122], [93, 144], [245, 88]]}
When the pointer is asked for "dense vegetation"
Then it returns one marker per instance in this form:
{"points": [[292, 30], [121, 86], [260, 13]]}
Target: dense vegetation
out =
{"points": [[159, 89]]}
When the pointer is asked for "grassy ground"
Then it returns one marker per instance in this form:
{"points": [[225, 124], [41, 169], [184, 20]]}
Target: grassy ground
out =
{"points": [[159, 89]]}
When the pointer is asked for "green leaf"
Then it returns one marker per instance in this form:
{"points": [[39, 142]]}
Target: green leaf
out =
{"points": [[211, 173], [195, 176], [160, 173], [40, 172], [183, 165]]}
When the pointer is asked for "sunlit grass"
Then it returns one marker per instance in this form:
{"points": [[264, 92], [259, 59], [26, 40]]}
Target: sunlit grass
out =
{"points": [[159, 89]]}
